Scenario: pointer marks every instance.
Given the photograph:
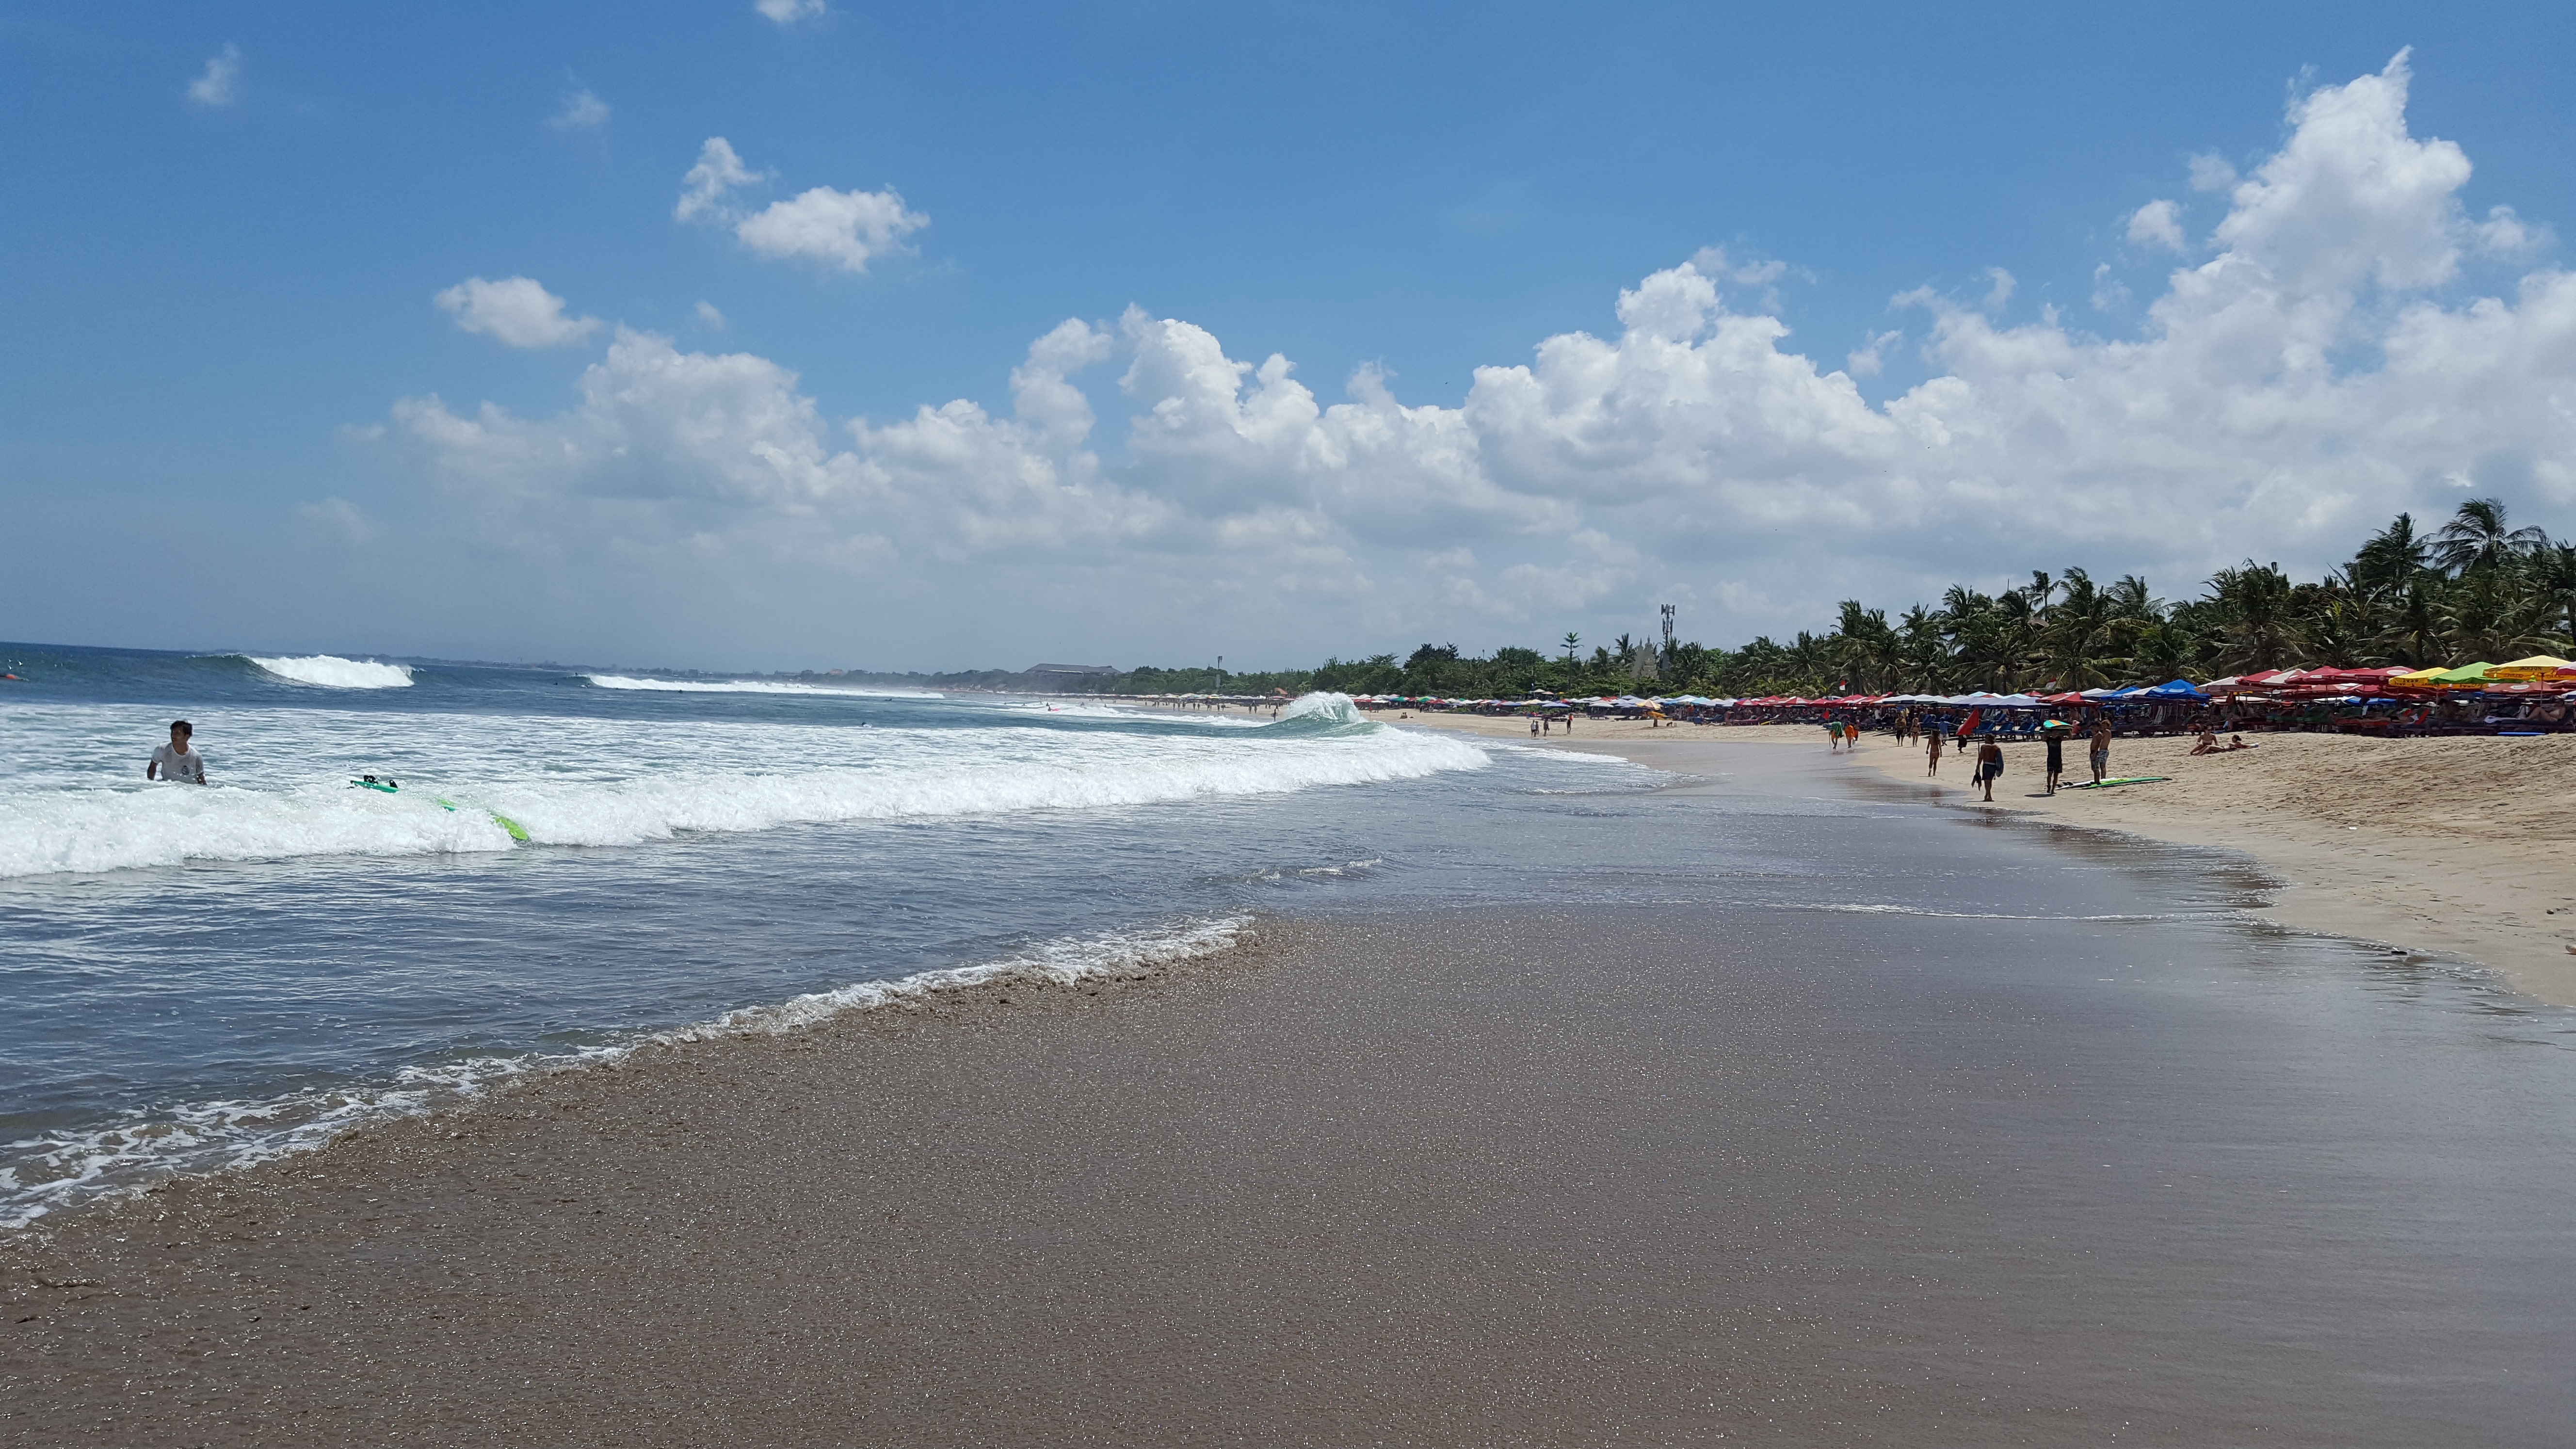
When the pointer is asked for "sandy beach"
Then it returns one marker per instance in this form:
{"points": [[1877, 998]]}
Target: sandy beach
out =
{"points": [[1434, 1180], [2454, 847]]}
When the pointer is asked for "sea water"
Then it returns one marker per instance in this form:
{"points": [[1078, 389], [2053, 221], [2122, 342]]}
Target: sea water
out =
{"points": [[197, 977]]}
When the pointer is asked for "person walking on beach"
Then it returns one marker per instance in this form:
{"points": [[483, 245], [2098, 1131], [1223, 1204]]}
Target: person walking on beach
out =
{"points": [[2056, 758], [2101, 751], [1990, 767], [175, 761], [1933, 751]]}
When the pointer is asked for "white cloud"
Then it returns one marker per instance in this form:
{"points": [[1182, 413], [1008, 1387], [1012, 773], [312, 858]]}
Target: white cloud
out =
{"points": [[2505, 234], [2211, 173], [2158, 223], [788, 12], [2109, 293], [515, 311], [221, 80], [842, 228], [711, 181], [708, 316], [2002, 291], [2311, 376], [341, 522], [582, 111], [1870, 359]]}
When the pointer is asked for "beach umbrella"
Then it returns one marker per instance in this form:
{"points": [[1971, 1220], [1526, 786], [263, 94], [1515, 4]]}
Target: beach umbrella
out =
{"points": [[2538, 666], [2414, 679], [2467, 675]]}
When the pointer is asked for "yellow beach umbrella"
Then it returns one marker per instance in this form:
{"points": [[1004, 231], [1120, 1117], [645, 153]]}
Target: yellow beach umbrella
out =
{"points": [[2414, 679], [2538, 666]]}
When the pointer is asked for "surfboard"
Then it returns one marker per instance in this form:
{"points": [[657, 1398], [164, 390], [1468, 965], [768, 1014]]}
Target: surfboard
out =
{"points": [[2121, 780], [517, 831]]}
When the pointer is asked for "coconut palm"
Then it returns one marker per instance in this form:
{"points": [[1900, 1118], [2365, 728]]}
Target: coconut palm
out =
{"points": [[2479, 537]]}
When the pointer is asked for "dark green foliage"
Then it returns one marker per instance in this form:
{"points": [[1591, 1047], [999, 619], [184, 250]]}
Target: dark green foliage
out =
{"points": [[2476, 589]]}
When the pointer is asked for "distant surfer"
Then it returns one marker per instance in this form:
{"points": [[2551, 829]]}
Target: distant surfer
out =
{"points": [[175, 761]]}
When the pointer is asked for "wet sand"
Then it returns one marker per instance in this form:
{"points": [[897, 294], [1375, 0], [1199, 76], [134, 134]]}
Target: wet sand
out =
{"points": [[2462, 847], [1655, 1175]]}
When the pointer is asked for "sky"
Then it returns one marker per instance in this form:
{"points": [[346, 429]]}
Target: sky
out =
{"points": [[811, 335]]}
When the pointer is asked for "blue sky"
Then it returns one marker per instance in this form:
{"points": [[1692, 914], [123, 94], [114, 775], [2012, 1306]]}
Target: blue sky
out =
{"points": [[229, 225]]}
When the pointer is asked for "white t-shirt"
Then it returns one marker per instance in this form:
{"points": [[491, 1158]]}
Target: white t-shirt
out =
{"points": [[190, 767]]}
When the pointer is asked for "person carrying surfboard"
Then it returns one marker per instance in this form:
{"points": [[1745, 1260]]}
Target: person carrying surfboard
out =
{"points": [[1990, 767], [175, 761]]}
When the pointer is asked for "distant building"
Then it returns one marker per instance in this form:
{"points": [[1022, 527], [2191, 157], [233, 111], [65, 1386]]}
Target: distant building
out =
{"points": [[1073, 669]]}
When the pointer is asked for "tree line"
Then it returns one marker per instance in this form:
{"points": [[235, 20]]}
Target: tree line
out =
{"points": [[2475, 588]]}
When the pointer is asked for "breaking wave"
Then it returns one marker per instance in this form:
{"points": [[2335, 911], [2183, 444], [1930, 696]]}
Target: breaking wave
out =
{"points": [[564, 782], [330, 671]]}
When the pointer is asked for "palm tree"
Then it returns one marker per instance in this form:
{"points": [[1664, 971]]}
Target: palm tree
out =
{"points": [[2253, 603], [2477, 537], [2487, 617], [2393, 559]]}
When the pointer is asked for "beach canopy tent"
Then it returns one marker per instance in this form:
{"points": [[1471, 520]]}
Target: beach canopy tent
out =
{"points": [[2171, 689], [2350, 676]]}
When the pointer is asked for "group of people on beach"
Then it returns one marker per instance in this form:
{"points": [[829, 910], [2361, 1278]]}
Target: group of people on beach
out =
{"points": [[1990, 753]]}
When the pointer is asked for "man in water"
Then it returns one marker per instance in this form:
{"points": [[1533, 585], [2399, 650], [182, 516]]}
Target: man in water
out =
{"points": [[175, 761]]}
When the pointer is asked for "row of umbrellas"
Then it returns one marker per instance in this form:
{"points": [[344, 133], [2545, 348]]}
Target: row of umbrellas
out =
{"points": [[2538, 674]]}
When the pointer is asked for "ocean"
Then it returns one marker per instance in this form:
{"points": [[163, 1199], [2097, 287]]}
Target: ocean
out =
{"points": [[2050, 1059], [205, 977]]}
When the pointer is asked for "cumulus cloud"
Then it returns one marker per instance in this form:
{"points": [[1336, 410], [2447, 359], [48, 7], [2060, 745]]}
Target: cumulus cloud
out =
{"points": [[788, 12], [220, 82], [514, 311], [2315, 372], [582, 111], [708, 316], [2158, 223], [843, 229], [839, 228]]}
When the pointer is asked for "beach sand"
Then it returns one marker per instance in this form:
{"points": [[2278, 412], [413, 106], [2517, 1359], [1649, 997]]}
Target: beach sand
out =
{"points": [[1441, 1179], [2460, 847]]}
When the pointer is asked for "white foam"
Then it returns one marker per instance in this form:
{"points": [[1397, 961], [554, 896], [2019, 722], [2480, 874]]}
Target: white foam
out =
{"points": [[330, 671], [70, 1168], [749, 686], [281, 778], [1059, 963]]}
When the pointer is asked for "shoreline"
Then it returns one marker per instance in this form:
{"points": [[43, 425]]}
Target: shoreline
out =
{"points": [[1422, 1178], [2448, 847], [2045, 1155]]}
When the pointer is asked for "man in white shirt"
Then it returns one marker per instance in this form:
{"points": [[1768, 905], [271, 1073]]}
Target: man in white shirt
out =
{"points": [[175, 761]]}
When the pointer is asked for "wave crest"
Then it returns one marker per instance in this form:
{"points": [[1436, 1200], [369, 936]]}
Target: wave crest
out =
{"points": [[330, 671]]}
